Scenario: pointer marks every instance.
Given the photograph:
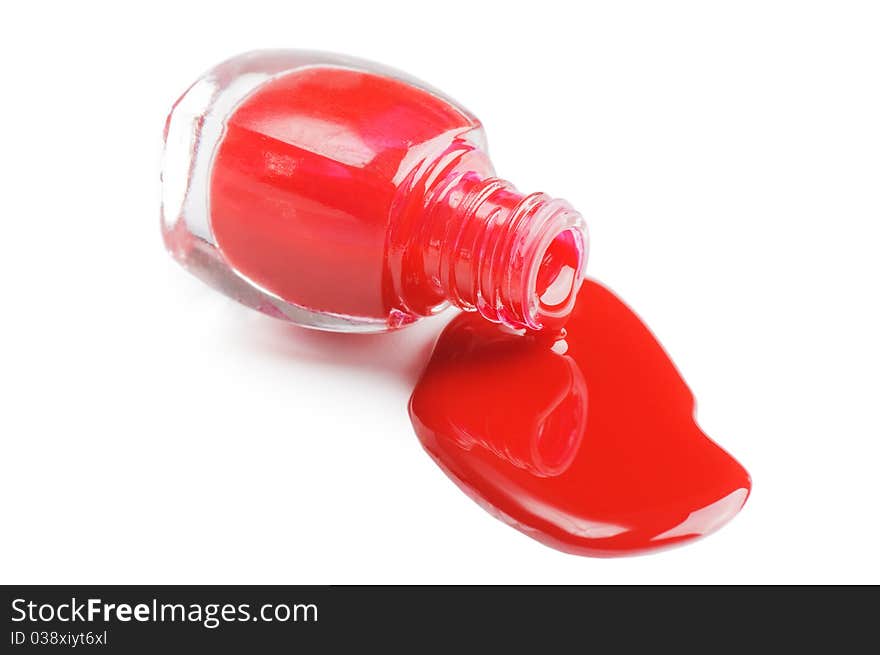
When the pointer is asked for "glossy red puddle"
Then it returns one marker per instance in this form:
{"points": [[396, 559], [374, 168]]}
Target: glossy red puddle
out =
{"points": [[586, 443]]}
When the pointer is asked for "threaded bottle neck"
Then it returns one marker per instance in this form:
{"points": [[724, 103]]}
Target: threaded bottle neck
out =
{"points": [[516, 259]]}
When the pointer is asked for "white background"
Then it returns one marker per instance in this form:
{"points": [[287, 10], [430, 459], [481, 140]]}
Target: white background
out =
{"points": [[726, 156]]}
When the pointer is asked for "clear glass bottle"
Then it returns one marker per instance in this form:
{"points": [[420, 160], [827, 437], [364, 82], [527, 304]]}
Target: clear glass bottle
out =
{"points": [[343, 195]]}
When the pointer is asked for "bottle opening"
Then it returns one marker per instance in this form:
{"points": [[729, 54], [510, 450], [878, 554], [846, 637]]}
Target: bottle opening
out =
{"points": [[558, 271], [559, 276]]}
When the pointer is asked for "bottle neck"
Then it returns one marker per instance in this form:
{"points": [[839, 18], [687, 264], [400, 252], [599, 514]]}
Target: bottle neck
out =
{"points": [[516, 259]]}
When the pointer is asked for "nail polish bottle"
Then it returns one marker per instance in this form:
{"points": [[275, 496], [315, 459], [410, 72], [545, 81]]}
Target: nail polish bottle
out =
{"points": [[342, 195]]}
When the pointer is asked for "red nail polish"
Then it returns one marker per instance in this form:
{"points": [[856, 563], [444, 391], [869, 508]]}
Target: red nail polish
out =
{"points": [[586, 443], [338, 194]]}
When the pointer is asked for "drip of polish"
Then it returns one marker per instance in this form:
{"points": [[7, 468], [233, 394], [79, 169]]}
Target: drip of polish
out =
{"points": [[586, 443]]}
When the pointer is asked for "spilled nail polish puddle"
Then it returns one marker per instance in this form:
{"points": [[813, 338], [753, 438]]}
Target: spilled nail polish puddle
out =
{"points": [[587, 442]]}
